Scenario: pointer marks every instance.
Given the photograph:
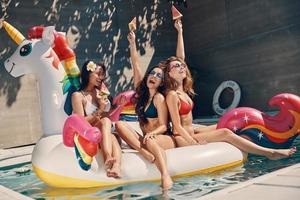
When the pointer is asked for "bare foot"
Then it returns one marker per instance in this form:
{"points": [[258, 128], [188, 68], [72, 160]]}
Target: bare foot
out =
{"points": [[109, 162], [201, 141], [282, 153], [166, 182], [147, 155], [115, 171]]}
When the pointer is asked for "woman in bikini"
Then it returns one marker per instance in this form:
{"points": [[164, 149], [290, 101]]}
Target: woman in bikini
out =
{"points": [[179, 86], [87, 102], [152, 113]]}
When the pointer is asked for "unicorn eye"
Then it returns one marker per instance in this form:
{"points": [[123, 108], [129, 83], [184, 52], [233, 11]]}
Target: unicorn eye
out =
{"points": [[26, 49]]}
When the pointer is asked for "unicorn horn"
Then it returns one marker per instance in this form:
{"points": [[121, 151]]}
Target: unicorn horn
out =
{"points": [[13, 32]]}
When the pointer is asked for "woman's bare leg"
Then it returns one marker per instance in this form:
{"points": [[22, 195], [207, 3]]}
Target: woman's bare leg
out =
{"points": [[160, 162], [133, 139], [165, 141], [115, 170], [180, 141], [205, 128], [104, 124], [226, 135]]}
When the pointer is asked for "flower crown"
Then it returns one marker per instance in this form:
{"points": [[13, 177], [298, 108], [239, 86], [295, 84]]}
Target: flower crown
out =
{"points": [[91, 66]]}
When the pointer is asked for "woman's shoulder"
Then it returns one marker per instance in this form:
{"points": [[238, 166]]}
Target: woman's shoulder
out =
{"points": [[171, 93], [171, 96], [159, 97], [77, 95]]}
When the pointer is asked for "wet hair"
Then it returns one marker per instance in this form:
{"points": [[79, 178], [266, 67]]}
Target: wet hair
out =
{"points": [[171, 84], [85, 74], [143, 95]]}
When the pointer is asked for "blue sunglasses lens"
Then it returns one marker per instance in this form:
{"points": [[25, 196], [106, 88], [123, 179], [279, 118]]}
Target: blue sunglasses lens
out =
{"points": [[156, 74]]}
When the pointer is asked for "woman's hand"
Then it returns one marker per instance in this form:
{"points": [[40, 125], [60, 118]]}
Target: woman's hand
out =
{"points": [[102, 101], [148, 136], [131, 37], [178, 25]]}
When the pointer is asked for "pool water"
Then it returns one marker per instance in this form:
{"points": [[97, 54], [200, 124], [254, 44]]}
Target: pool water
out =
{"points": [[184, 188]]}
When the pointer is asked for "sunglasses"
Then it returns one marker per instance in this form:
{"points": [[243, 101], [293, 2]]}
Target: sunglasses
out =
{"points": [[157, 75], [178, 66]]}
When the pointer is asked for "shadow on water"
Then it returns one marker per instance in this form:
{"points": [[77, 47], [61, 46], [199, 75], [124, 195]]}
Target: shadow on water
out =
{"points": [[97, 31]]}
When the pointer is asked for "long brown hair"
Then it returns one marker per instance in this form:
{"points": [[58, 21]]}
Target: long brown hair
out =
{"points": [[171, 84]]}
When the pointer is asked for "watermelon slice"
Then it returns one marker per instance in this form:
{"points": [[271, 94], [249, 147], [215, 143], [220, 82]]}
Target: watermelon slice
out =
{"points": [[132, 24], [103, 91], [175, 13]]}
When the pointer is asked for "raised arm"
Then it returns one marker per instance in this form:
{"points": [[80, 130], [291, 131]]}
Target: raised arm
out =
{"points": [[137, 74], [172, 101], [180, 44]]}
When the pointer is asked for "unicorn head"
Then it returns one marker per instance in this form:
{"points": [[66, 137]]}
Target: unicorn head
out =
{"points": [[31, 56], [37, 57]]}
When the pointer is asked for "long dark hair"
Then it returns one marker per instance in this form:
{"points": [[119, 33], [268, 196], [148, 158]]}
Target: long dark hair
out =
{"points": [[142, 96], [85, 74]]}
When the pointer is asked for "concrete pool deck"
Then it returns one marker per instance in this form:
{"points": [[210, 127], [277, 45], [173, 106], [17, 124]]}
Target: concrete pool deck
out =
{"points": [[278, 185], [8, 194], [15, 155], [10, 157]]}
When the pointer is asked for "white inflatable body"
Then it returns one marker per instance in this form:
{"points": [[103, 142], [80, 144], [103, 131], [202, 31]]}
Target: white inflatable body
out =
{"points": [[56, 164]]}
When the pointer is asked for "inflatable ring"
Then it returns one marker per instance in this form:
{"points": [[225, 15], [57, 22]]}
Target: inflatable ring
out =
{"points": [[236, 96]]}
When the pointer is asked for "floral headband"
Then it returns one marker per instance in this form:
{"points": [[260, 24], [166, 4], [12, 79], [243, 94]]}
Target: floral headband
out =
{"points": [[91, 66]]}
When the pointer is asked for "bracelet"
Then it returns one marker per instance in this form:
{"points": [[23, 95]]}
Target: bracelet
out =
{"points": [[152, 135]]}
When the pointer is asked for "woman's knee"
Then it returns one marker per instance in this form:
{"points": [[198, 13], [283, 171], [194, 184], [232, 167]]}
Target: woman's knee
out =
{"points": [[105, 120], [119, 125], [150, 143]]}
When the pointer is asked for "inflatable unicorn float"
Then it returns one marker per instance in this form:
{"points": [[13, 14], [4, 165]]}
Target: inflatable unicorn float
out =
{"points": [[46, 54]]}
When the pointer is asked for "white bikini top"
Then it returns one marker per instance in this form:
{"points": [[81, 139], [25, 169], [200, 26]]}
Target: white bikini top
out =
{"points": [[90, 107]]}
